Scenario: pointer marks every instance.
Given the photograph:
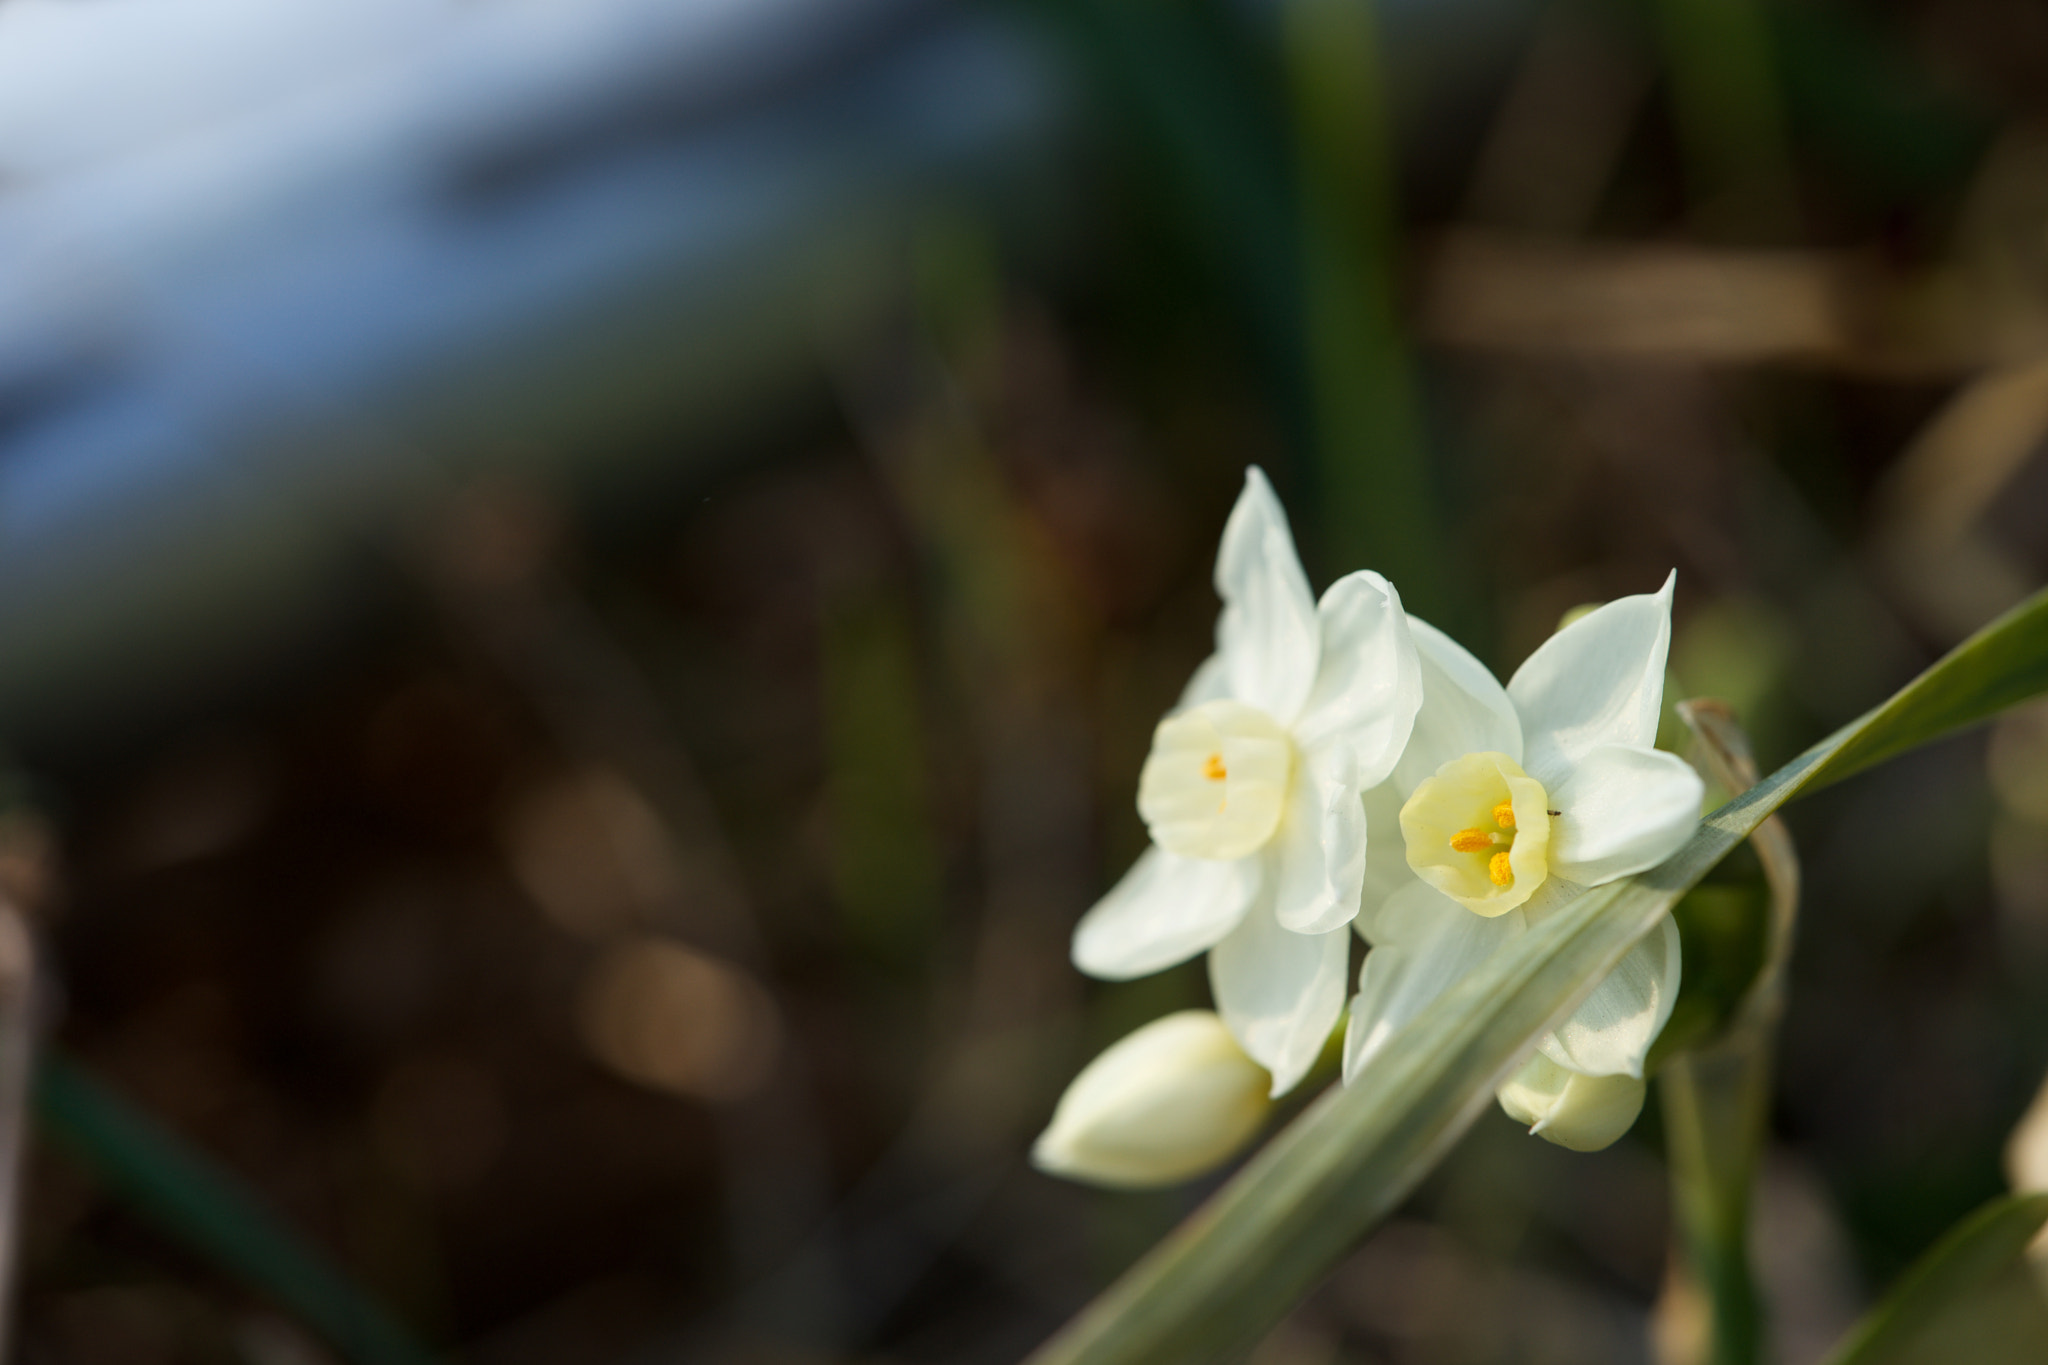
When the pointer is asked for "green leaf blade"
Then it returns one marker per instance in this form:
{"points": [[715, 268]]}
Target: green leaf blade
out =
{"points": [[213, 1212], [2000, 666], [1970, 1255]]}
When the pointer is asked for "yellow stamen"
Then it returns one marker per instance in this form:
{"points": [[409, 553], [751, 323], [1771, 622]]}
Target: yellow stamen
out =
{"points": [[1498, 870], [1213, 769], [1471, 840], [1504, 815]]}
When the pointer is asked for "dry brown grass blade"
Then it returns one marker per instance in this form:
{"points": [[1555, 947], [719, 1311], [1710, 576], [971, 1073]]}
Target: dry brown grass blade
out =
{"points": [[1687, 304], [1928, 536], [1723, 746]]}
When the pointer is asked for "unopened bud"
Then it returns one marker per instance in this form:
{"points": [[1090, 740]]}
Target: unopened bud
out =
{"points": [[2026, 1151], [1570, 1108], [2026, 1165], [1173, 1100]]}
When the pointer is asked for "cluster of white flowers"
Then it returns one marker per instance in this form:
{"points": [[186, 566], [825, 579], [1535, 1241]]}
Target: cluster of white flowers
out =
{"points": [[1341, 766]]}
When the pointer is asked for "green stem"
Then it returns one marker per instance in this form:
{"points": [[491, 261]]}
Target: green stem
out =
{"points": [[1716, 1098], [1715, 1105]]}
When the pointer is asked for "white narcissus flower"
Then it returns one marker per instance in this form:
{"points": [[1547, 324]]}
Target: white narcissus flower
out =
{"points": [[1252, 795], [1513, 800], [1167, 1103]]}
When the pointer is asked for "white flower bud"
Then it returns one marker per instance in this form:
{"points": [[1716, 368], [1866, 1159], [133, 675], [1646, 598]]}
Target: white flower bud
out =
{"points": [[1570, 1108], [1167, 1103], [2026, 1165], [2026, 1151]]}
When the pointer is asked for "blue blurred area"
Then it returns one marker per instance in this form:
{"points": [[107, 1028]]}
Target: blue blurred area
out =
{"points": [[251, 316]]}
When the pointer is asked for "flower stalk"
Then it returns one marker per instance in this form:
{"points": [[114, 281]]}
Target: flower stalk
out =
{"points": [[1715, 1098], [1715, 1104]]}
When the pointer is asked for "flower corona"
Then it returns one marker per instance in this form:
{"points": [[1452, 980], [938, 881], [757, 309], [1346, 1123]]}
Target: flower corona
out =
{"points": [[1479, 831], [1215, 783]]}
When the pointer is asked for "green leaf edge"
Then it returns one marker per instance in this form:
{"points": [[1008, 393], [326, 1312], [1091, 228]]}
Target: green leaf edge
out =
{"points": [[215, 1213], [1243, 1259], [2002, 665], [1981, 1246]]}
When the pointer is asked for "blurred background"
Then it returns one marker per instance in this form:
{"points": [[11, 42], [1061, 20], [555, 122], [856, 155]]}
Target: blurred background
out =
{"points": [[583, 585]]}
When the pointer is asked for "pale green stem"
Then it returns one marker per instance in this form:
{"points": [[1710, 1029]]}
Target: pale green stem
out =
{"points": [[1715, 1104], [1716, 1099]]}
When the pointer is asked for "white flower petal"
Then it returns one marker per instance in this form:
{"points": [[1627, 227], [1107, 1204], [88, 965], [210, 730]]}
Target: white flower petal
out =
{"points": [[1211, 682], [1319, 851], [1611, 1033], [1268, 635], [1598, 681], [1369, 683], [1386, 857], [1280, 992], [1623, 809], [1165, 910], [1464, 710], [1427, 943], [1584, 1113]]}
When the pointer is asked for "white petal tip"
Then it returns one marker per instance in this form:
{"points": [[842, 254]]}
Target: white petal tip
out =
{"points": [[1284, 1084], [1322, 921]]}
